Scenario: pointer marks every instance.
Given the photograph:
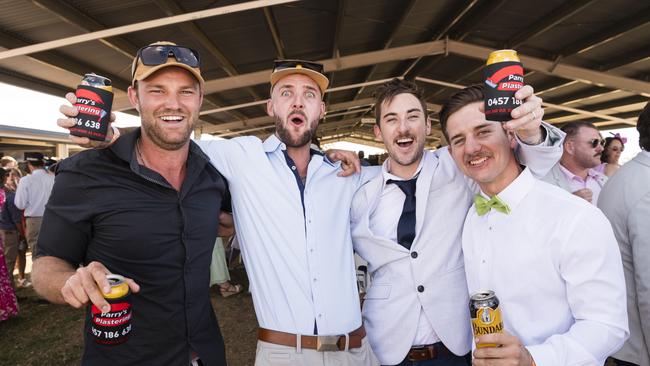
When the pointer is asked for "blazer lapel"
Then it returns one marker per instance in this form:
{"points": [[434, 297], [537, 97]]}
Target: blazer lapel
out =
{"points": [[422, 188]]}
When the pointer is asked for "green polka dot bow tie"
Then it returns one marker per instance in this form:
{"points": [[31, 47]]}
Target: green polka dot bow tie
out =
{"points": [[483, 205]]}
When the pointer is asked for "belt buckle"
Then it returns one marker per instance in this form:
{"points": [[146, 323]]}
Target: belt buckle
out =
{"points": [[327, 343]]}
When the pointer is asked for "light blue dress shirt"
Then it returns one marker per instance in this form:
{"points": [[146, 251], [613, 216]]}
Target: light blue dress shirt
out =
{"points": [[300, 264], [33, 192]]}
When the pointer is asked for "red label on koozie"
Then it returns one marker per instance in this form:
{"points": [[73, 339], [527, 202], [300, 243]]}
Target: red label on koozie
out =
{"points": [[112, 327], [94, 106], [502, 80]]}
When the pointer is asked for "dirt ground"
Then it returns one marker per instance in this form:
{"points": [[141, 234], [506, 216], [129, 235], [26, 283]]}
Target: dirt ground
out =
{"points": [[47, 334]]}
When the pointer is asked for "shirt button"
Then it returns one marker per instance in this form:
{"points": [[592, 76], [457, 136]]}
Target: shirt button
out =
{"points": [[420, 288], [315, 280], [414, 255], [490, 228], [293, 167], [320, 315]]}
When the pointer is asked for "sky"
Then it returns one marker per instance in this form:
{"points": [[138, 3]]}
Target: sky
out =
{"points": [[26, 108]]}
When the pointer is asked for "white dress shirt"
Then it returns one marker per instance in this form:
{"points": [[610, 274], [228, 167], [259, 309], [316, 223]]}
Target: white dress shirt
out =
{"points": [[33, 192], [554, 264], [383, 222], [298, 256]]}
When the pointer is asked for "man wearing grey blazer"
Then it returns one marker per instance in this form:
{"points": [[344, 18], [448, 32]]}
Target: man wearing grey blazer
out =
{"points": [[576, 173], [625, 200], [416, 308]]}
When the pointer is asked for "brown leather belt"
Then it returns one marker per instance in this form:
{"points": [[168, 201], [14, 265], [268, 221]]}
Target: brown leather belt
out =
{"points": [[427, 352], [319, 343]]}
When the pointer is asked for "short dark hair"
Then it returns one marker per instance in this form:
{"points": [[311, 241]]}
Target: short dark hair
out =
{"points": [[571, 129], [471, 94], [36, 163], [608, 141], [389, 90], [643, 126]]}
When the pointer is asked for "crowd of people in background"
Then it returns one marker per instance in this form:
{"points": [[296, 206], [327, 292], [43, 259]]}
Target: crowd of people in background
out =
{"points": [[18, 196]]}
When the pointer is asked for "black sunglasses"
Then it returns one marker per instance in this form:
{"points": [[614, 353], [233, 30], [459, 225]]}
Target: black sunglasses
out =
{"points": [[596, 142], [293, 64], [158, 54]]}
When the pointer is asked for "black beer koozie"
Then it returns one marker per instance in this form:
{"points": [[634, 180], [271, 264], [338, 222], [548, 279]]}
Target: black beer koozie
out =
{"points": [[502, 80], [94, 106]]}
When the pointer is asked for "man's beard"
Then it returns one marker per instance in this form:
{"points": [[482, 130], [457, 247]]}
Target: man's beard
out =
{"points": [[300, 141], [159, 138]]}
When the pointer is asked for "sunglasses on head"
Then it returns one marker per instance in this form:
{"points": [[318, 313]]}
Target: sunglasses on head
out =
{"points": [[596, 142], [294, 64], [158, 54]]}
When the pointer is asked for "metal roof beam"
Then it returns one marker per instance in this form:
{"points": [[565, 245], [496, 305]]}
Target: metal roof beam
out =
{"points": [[76, 17], [259, 121], [417, 66], [565, 71], [393, 33], [556, 16], [416, 50], [135, 27], [273, 27], [546, 104], [57, 60], [609, 34], [171, 8]]}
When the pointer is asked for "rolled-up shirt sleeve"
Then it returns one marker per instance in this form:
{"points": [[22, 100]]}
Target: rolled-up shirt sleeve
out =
{"points": [[595, 288]]}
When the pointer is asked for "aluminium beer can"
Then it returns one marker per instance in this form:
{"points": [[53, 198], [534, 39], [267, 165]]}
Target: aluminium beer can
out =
{"points": [[485, 315], [504, 75], [114, 326], [94, 102]]}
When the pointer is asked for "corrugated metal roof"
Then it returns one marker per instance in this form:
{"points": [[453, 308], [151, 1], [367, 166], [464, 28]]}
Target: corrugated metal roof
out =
{"points": [[606, 36]]}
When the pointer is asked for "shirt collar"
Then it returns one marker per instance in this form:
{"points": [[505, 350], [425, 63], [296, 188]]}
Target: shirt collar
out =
{"points": [[273, 143], [515, 192], [124, 148], [593, 173], [387, 175]]}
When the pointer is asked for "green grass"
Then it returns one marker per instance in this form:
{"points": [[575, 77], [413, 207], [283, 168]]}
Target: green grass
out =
{"points": [[42, 334], [48, 334]]}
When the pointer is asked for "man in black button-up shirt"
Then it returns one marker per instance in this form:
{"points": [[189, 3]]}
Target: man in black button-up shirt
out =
{"points": [[145, 208]]}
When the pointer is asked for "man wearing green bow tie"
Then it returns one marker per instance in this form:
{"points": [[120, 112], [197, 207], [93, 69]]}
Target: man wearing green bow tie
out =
{"points": [[407, 224], [551, 258]]}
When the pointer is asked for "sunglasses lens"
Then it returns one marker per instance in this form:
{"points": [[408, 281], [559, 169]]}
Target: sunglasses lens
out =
{"points": [[186, 56], [157, 55], [154, 55]]}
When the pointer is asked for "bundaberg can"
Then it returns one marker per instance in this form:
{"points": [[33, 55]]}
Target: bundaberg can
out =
{"points": [[94, 102], [114, 326], [504, 75], [486, 315]]}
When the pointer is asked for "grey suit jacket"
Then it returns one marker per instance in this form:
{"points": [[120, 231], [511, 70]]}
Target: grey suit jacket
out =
{"points": [[625, 200], [556, 177]]}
